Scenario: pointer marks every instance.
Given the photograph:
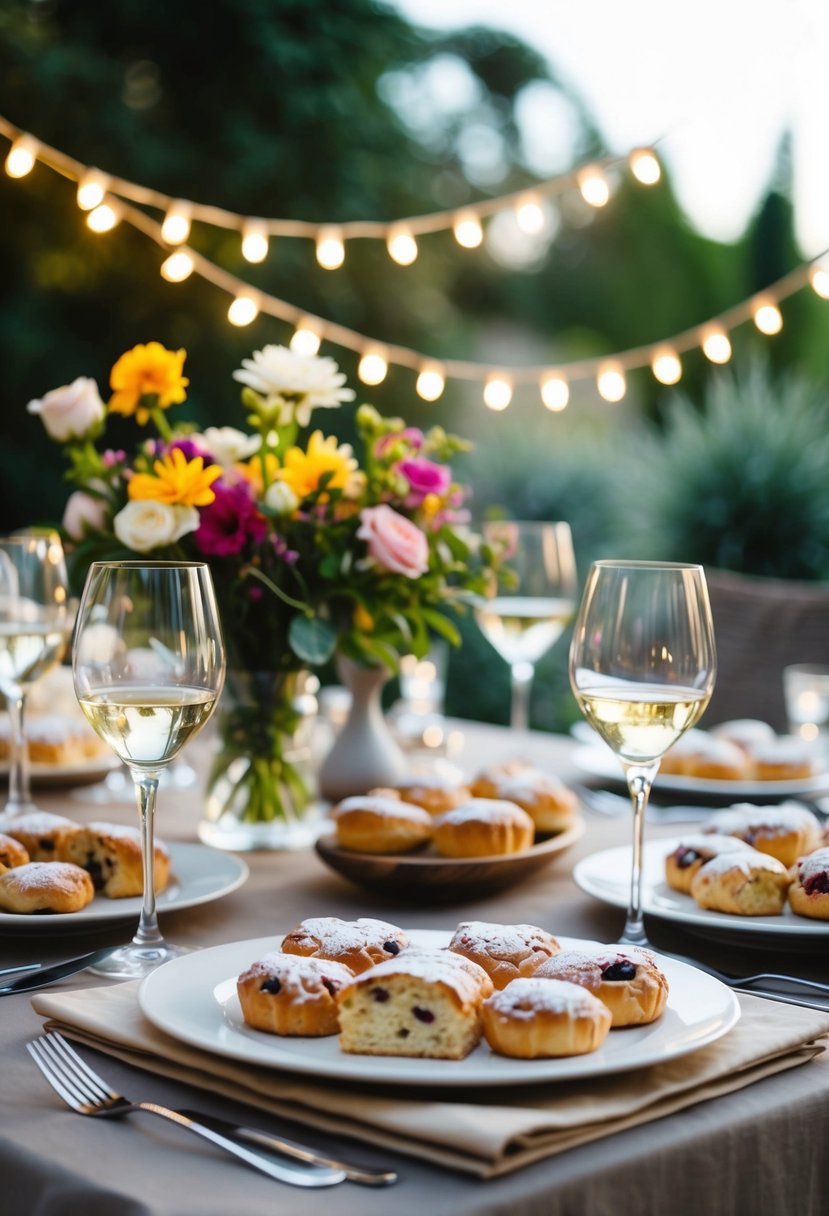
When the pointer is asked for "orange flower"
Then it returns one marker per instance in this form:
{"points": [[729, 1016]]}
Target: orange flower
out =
{"points": [[147, 378], [177, 480]]}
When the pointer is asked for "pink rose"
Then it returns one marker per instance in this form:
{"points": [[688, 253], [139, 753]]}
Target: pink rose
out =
{"points": [[83, 514], [73, 411], [394, 542], [424, 477]]}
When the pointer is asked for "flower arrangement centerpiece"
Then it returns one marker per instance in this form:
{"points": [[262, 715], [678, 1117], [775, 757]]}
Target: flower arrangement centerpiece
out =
{"points": [[313, 550]]}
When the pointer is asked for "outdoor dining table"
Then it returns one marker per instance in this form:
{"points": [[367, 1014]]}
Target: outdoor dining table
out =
{"points": [[759, 1149]]}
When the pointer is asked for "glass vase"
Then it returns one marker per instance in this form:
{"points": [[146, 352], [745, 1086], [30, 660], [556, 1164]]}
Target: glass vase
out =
{"points": [[260, 790]]}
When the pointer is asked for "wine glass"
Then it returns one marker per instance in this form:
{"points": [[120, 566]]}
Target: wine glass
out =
{"points": [[35, 621], [534, 602], [148, 664], [642, 667]]}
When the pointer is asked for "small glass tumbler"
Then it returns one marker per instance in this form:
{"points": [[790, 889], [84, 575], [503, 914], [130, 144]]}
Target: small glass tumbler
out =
{"points": [[806, 692]]}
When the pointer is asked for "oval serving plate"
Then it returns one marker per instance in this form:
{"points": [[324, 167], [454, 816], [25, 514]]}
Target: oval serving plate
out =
{"points": [[448, 879]]}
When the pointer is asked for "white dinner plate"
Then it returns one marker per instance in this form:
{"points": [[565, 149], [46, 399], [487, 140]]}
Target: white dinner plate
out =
{"points": [[606, 876], [198, 875], [85, 772], [193, 998], [599, 761]]}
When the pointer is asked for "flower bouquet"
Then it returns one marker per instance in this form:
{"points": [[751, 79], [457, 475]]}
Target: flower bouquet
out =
{"points": [[313, 550]]}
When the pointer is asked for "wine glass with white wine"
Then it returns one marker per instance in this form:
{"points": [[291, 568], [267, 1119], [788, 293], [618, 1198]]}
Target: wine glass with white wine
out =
{"points": [[148, 664], [35, 621], [534, 602], [642, 666]]}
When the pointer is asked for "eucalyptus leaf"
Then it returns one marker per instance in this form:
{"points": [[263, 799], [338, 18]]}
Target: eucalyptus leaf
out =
{"points": [[312, 640]]}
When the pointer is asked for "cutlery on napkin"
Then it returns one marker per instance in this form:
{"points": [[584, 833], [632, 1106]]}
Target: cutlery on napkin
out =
{"points": [[38, 976]]}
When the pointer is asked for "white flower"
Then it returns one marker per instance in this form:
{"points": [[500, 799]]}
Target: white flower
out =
{"points": [[294, 384], [83, 513], [72, 411], [144, 525], [280, 498], [226, 445]]}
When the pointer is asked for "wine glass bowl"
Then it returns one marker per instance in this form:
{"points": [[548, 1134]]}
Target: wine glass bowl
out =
{"points": [[534, 601], [642, 669], [148, 666]]}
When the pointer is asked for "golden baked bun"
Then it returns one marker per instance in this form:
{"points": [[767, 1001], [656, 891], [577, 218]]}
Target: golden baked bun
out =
{"points": [[535, 1019], [12, 852], [747, 733], [505, 952], [483, 827], [809, 892], [431, 791], [744, 884], [111, 855], [699, 754], [367, 823], [626, 979], [55, 739], [45, 886], [786, 832], [682, 863], [288, 995], [42, 834], [357, 944], [547, 800], [786, 758]]}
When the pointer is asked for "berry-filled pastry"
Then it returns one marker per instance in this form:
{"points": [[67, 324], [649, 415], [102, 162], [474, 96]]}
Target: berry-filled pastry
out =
{"points": [[536, 1019], [626, 979], [785, 832], [358, 944], [692, 852], [809, 892], [506, 952], [747, 884], [287, 994]]}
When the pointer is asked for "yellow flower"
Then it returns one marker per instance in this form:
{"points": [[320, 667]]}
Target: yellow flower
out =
{"points": [[363, 620], [251, 470], [147, 378], [303, 471], [177, 480]]}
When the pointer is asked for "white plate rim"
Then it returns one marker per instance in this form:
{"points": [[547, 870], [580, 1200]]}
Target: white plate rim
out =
{"points": [[658, 899], [700, 1010], [226, 873], [594, 760], [93, 768]]}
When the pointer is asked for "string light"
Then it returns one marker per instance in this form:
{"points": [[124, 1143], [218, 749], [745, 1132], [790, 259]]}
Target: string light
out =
{"points": [[22, 156], [644, 166], [243, 310], [431, 382], [497, 392], [610, 382], [467, 229], [102, 218], [254, 241], [666, 366], [768, 318], [819, 278], [555, 393], [330, 248], [529, 215], [177, 267], [92, 189], [306, 338], [373, 367], [593, 186], [176, 227], [401, 245], [716, 345]]}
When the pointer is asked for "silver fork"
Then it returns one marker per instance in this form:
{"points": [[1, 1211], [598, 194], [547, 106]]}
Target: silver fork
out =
{"points": [[88, 1094]]}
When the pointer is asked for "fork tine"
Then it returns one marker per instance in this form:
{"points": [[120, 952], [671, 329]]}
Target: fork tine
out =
{"points": [[43, 1059], [79, 1068]]}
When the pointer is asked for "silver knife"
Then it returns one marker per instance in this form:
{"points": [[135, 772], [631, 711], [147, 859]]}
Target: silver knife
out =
{"points": [[43, 976]]}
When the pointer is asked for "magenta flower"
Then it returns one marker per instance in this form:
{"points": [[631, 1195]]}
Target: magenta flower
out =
{"points": [[410, 435], [230, 522], [424, 477]]}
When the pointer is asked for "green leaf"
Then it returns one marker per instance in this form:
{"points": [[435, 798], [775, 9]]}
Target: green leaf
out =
{"points": [[312, 640], [439, 623]]}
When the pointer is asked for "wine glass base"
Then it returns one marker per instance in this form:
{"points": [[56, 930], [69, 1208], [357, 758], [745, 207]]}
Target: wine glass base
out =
{"points": [[134, 962], [15, 810]]}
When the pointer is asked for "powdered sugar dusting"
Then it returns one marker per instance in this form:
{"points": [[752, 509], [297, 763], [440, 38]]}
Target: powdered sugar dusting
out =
{"points": [[502, 941], [330, 935], [524, 998], [300, 977], [813, 864], [748, 863], [434, 967], [62, 876], [771, 821], [394, 808], [492, 810]]}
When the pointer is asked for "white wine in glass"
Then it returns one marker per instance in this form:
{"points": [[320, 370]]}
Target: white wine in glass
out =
{"points": [[642, 668], [148, 664], [35, 620], [535, 600]]}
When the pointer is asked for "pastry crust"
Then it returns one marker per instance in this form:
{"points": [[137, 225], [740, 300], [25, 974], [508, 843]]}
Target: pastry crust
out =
{"points": [[434, 794], [534, 1018], [699, 754], [12, 852], [111, 855], [42, 834], [483, 827], [692, 852], [746, 884], [624, 978], [786, 758], [786, 832], [809, 892], [357, 944], [288, 995], [45, 886], [547, 800], [505, 952], [379, 823]]}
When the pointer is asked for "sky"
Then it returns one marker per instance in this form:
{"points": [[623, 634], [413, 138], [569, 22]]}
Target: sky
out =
{"points": [[716, 82]]}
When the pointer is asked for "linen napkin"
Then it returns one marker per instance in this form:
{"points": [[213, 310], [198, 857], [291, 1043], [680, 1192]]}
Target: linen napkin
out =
{"points": [[482, 1132]]}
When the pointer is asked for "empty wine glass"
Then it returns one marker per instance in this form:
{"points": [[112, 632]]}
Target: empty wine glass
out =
{"points": [[35, 620], [642, 667], [534, 602], [148, 663]]}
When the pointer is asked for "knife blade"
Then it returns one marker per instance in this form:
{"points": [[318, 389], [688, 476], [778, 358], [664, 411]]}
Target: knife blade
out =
{"points": [[49, 975]]}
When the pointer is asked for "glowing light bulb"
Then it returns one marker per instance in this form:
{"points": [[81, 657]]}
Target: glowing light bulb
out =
{"points": [[555, 393], [243, 310], [330, 248], [22, 156], [716, 345], [593, 186], [254, 241], [431, 382], [645, 167], [102, 218], [373, 367], [768, 318], [177, 267], [402, 246], [306, 338], [497, 392], [819, 278], [529, 214], [611, 382], [467, 229], [176, 227], [666, 366], [92, 189]]}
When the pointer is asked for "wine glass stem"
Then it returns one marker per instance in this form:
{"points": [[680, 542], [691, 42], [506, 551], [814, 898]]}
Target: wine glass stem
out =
{"points": [[640, 780], [20, 797], [521, 678], [146, 788]]}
